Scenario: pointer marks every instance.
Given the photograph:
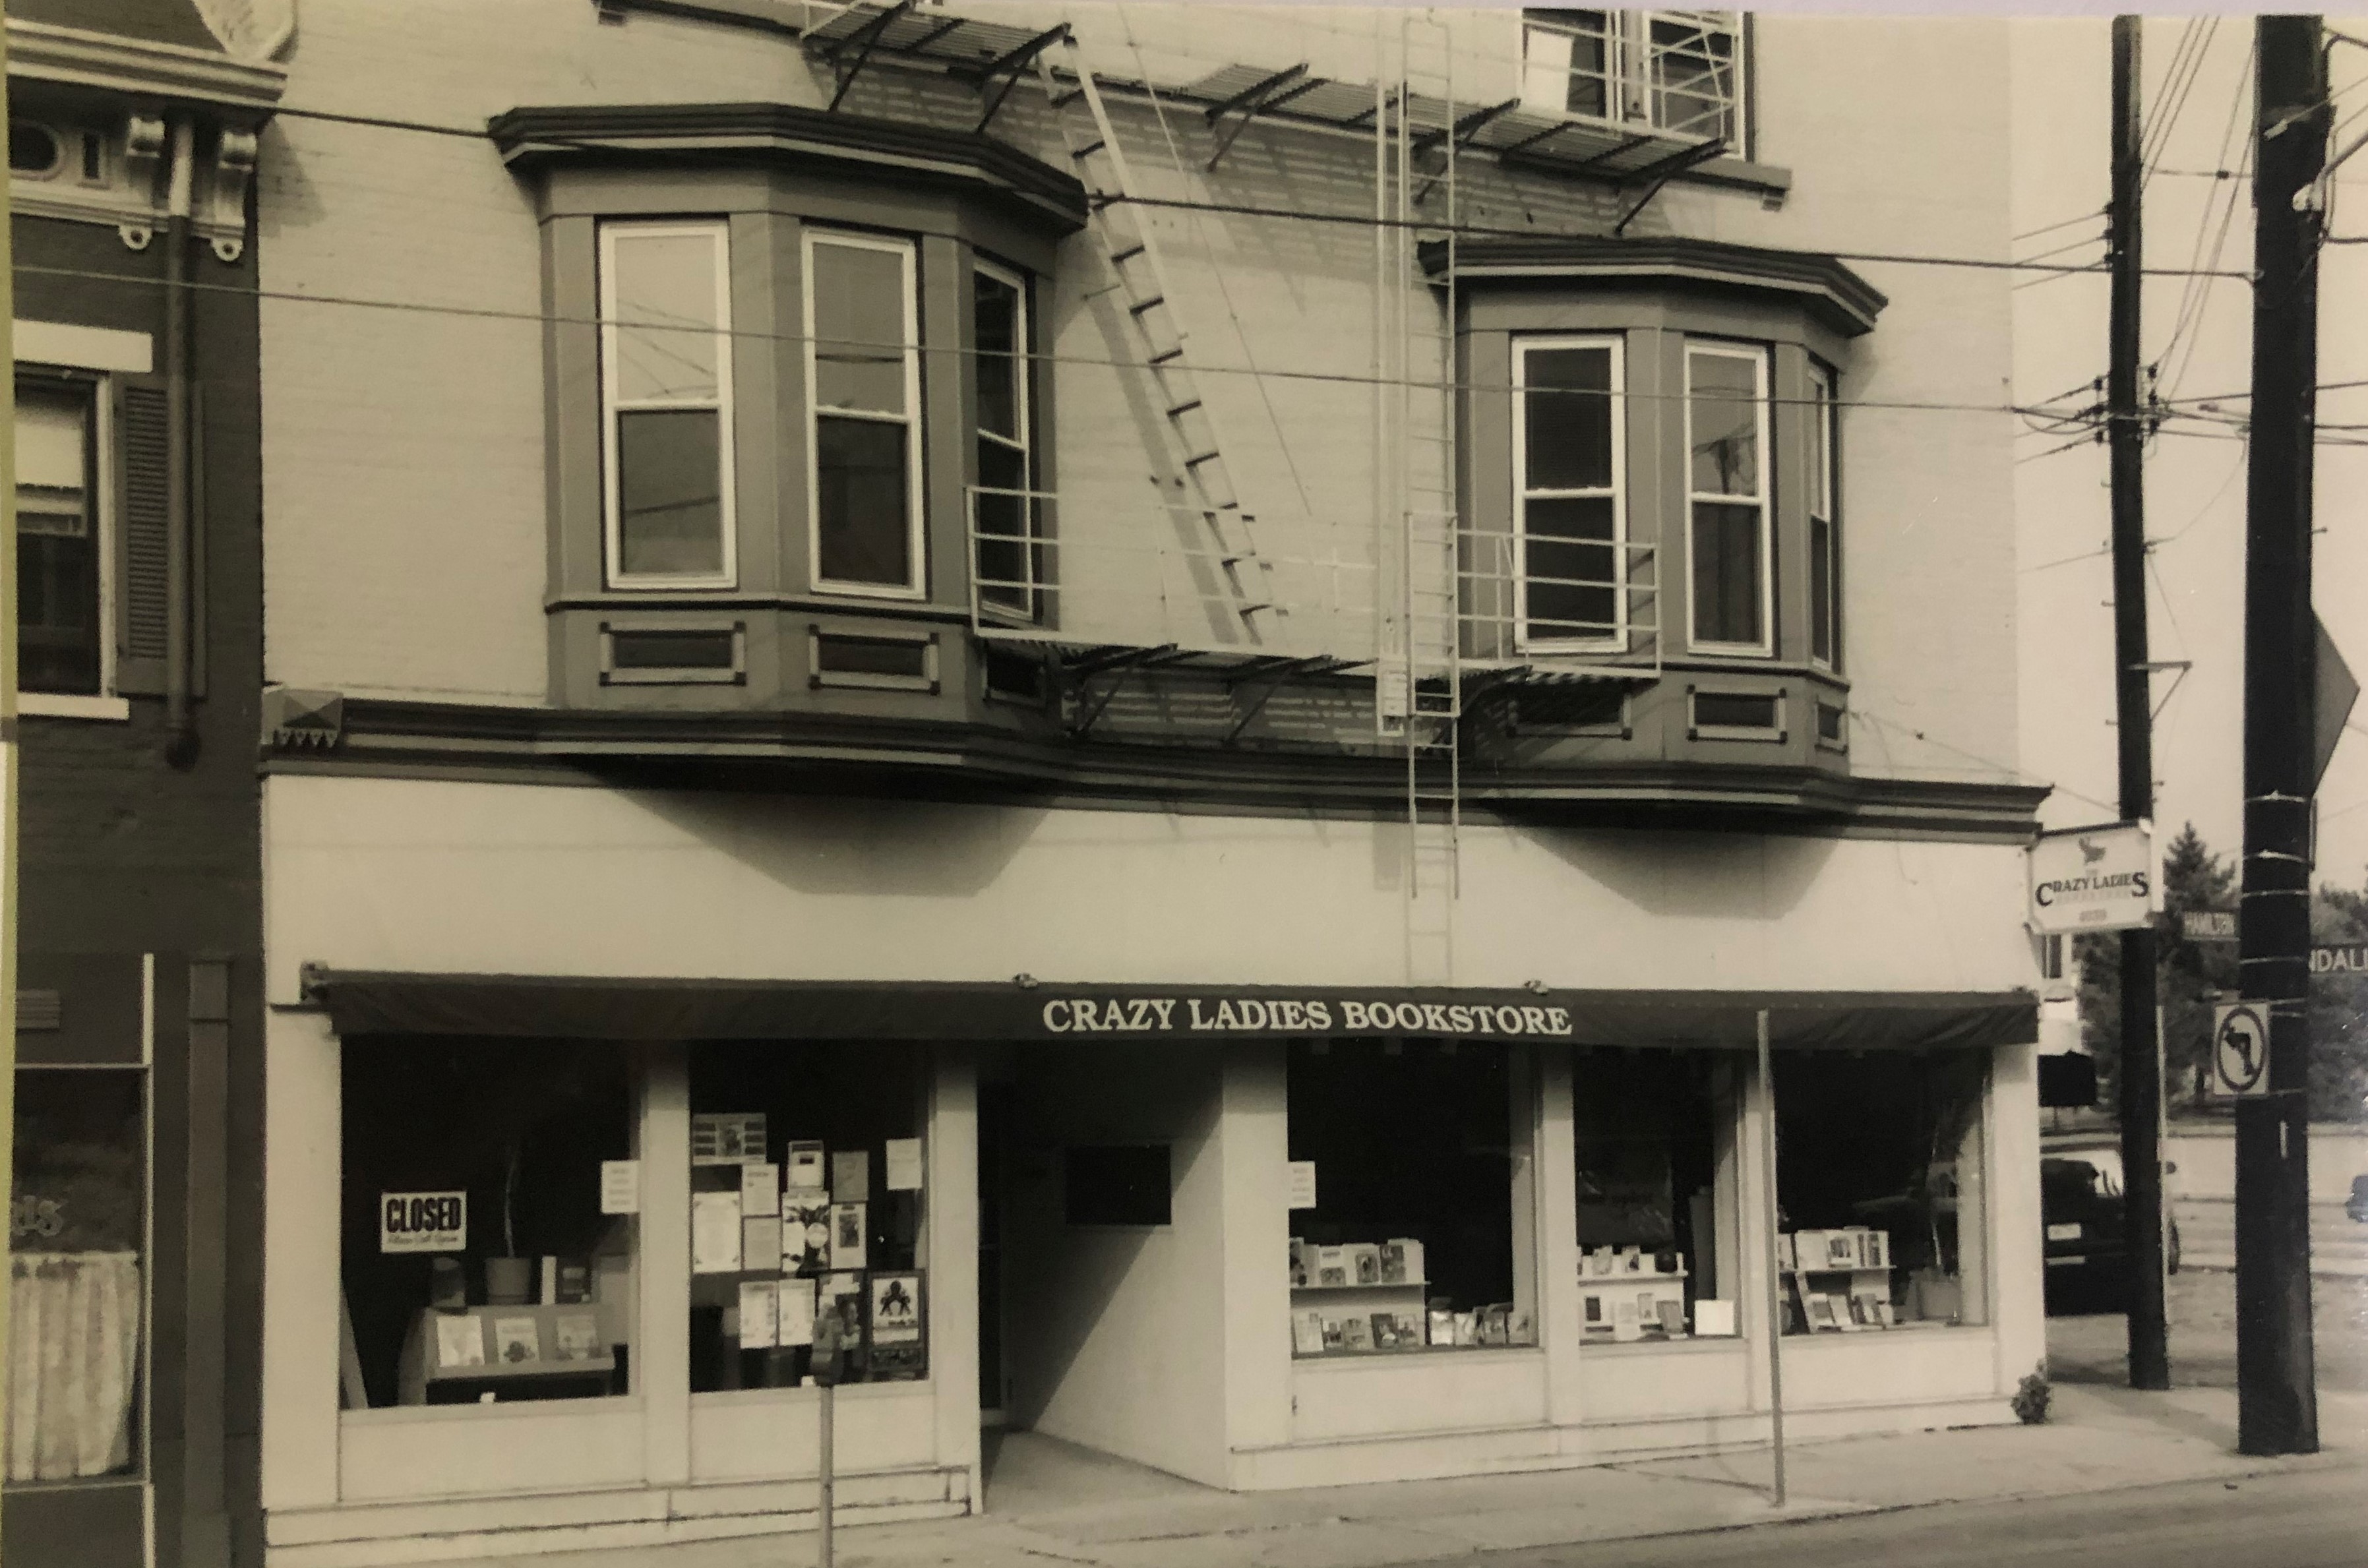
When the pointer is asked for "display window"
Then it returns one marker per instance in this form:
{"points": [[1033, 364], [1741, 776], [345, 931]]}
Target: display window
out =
{"points": [[806, 1197], [1879, 1179], [77, 1275], [481, 1263], [1412, 1216], [1653, 1138]]}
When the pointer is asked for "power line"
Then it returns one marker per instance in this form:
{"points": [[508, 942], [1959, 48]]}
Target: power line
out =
{"points": [[488, 312], [1358, 219]]}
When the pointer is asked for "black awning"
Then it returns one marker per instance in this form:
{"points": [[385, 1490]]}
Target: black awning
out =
{"points": [[606, 1008]]}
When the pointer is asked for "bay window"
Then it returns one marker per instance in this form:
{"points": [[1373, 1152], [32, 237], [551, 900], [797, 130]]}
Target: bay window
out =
{"points": [[666, 356], [1569, 524], [1726, 496], [863, 400], [1825, 545], [1009, 570]]}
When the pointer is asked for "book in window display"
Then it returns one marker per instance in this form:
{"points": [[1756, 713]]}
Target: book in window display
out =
{"points": [[516, 1341], [575, 1337], [1308, 1333], [1355, 1333]]}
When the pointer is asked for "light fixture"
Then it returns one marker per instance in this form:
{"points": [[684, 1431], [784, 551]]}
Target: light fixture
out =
{"points": [[1537, 985], [1024, 980]]}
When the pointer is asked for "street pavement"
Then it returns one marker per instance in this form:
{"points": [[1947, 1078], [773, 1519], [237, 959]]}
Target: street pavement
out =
{"points": [[2083, 1469], [2207, 1236]]}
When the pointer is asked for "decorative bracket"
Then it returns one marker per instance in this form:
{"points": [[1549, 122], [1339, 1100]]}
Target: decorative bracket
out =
{"points": [[234, 170], [144, 153]]}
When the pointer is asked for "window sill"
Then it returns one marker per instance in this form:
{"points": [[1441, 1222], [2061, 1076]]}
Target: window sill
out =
{"points": [[916, 1386], [1742, 174], [1691, 1345], [58, 705], [402, 1414], [1428, 1355]]}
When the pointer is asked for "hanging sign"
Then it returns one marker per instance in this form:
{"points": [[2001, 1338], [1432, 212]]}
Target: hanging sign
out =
{"points": [[2240, 1051], [2095, 878], [423, 1221]]}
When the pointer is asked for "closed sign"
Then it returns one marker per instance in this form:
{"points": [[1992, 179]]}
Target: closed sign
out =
{"points": [[423, 1221]]}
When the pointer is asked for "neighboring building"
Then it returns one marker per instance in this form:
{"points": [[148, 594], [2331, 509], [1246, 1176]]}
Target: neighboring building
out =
{"points": [[808, 648], [135, 1280]]}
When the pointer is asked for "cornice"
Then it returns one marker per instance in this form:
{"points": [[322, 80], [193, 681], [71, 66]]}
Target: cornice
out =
{"points": [[1838, 297], [878, 149], [75, 57], [810, 752]]}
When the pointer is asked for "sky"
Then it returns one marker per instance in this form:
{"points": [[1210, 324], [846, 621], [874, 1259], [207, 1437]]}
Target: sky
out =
{"points": [[2197, 98]]}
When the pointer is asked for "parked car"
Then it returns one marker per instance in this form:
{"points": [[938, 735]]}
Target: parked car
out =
{"points": [[2357, 1204], [2086, 1227]]}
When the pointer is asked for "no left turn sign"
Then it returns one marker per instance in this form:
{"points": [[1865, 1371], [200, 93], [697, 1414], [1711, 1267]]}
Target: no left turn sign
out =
{"points": [[2240, 1050]]}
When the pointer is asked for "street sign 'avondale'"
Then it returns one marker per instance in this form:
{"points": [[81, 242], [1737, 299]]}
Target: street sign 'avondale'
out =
{"points": [[2094, 879]]}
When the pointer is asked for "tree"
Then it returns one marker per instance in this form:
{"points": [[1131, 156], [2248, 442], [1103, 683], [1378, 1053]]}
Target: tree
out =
{"points": [[2190, 974]]}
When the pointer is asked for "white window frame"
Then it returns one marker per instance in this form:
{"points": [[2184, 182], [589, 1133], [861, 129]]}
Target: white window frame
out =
{"points": [[99, 354], [1757, 356], [1617, 492], [1631, 96], [1824, 476], [1024, 406], [917, 584], [612, 405]]}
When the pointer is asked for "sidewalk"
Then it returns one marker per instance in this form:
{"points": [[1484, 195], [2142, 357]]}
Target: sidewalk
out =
{"points": [[1051, 1503]]}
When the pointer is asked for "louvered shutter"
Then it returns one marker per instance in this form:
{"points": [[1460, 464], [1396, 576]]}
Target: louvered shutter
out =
{"points": [[142, 492]]}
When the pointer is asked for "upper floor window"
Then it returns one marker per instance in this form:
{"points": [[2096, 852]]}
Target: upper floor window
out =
{"points": [[1727, 496], [863, 401], [665, 392], [60, 600], [1009, 571], [1824, 540], [1569, 520], [1676, 71]]}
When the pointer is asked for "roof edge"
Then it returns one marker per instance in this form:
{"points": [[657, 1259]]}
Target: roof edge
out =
{"points": [[79, 57], [1845, 300]]}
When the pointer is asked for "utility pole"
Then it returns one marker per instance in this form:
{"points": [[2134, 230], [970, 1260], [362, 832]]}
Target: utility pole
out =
{"points": [[2277, 1405], [2141, 1075]]}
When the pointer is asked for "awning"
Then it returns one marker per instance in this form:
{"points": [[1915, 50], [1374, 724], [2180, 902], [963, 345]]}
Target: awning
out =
{"points": [[608, 1008]]}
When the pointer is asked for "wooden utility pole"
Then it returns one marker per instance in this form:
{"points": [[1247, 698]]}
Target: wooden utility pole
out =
{"points": [[2277, 1406], [2141, 1072]]}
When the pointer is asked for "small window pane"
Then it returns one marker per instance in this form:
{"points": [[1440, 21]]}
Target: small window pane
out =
{"points": [[997, 317], [665, 285], [859, 325], [1570, 584], [1821, 590], [58, 620], [670, 505], [1725, 413], [1726, 572], [1568, 413], [862, 485], [1693, 78]]}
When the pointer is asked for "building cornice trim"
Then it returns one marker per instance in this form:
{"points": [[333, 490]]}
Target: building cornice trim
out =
{"points": [[44, 52], [1839, 296]]}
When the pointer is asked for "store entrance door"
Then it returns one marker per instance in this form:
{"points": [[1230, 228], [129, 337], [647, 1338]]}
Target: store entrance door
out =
{"points": [[994, 1137]]}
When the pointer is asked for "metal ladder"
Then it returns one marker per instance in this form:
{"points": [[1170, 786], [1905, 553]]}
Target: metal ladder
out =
{"points": [[1131, 248], [1428, 522]]}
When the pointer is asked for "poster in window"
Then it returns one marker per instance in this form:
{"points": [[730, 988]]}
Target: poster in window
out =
{"points": [[760, 1189], [797, 1312], [620, 1186], [848, 1235], [896, 1309], [761, 1245], [760, 1308], [715, 1232], [805, 1233], [803, 1170], [904, 1161], [727, 1138], [850, 1176]]}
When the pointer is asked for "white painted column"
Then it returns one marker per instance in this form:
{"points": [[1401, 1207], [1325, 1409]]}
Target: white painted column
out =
{"points": [[950, 1203], [1560, 1323], [662, 1354], [2017, 1290], [301, 1283], [1253, 1133]]}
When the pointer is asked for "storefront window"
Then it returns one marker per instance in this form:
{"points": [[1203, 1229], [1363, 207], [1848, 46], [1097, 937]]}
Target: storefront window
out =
{"points": [[77, 1233], [478, 1263], [806, 1197], [1652, 1132], [1879, 1176], [1419, 1228]]}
